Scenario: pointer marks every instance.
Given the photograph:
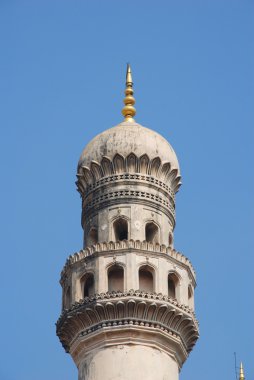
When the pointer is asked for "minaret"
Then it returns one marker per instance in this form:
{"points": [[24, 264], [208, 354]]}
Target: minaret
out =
{"points": [[128, 295]]}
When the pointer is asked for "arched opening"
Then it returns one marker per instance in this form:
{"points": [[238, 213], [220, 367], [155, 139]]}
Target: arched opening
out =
{"points": [[67, 298], [146, 279], [152, 233], [93, 236], [88, 285], [120, 227], [116, 279], [172, 285], [190, 297], [170, 240]]}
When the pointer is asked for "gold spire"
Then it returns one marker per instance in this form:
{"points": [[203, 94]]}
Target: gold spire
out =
{"points": [[241, 375], [128, 110]]}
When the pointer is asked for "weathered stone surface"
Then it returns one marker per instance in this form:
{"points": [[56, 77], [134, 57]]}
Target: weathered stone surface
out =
{"points": [[128, 362], [102, 312], [126, 138]]}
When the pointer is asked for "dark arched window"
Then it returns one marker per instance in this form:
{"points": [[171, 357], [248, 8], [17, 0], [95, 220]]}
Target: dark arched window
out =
{"points": [[172, 285], [146, 279], [116, 279], [170, 239], [88, 285], [67, 298], [93, 236], [152, 233], [120, 227], [190, 297]]}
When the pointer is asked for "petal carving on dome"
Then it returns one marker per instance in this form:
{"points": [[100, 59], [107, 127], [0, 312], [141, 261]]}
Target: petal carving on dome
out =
{"points": [[165, 171], [96, 170], [155, 166], [144, 164], [87, 175], [176, 184], [119, 163], [107, 167], [81, 184], [173, 175], [132, 163]]}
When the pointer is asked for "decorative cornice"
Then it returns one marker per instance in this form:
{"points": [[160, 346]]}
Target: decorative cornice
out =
{"points": [[119, 196], [131, 178], [108, 310], [88, 176], [124, 245]]}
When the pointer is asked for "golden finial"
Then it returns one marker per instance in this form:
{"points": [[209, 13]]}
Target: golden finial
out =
{"points": [[128, 110], [241, 375]]}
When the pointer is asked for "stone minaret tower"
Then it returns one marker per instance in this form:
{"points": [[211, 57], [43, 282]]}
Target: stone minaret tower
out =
{"points": [[128, 295]]}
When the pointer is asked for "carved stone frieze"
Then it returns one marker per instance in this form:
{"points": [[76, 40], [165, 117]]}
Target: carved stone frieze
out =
{"points": [[105, 247], [133, 308], [131, 195], [128, 178], [88, 177]]}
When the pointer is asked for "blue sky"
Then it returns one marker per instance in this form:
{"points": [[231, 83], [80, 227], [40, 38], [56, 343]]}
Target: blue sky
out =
{"points": [[62, 72]]}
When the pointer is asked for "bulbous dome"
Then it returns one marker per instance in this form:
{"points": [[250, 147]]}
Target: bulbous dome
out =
{"points": [[126, 138]]}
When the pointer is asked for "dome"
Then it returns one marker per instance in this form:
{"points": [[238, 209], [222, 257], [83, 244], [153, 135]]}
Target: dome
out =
{"points": [[125, 138], [128, 148]]}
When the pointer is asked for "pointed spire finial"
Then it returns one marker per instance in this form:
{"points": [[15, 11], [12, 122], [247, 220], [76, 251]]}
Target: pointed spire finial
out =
{"points": [[128, 110], [241, 375]]}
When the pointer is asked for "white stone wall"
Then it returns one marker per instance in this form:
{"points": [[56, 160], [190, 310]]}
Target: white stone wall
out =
{"points": [[128, 362]]}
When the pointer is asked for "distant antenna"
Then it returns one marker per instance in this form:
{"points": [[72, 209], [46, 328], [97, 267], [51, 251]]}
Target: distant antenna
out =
{"points": [[236, 374]]}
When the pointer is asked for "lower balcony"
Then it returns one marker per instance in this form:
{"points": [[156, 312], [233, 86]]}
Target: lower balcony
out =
{"points": [[132, 317]]}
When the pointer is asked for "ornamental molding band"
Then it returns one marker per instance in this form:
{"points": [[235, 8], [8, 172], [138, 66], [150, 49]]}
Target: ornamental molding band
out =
{"points": [[129, 194], [128, 177], [136, 308], [123, 245], [89, 176]]}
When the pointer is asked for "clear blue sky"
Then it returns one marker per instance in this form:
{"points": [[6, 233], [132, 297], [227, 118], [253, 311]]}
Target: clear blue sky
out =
{"points": [[62, 72]]}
